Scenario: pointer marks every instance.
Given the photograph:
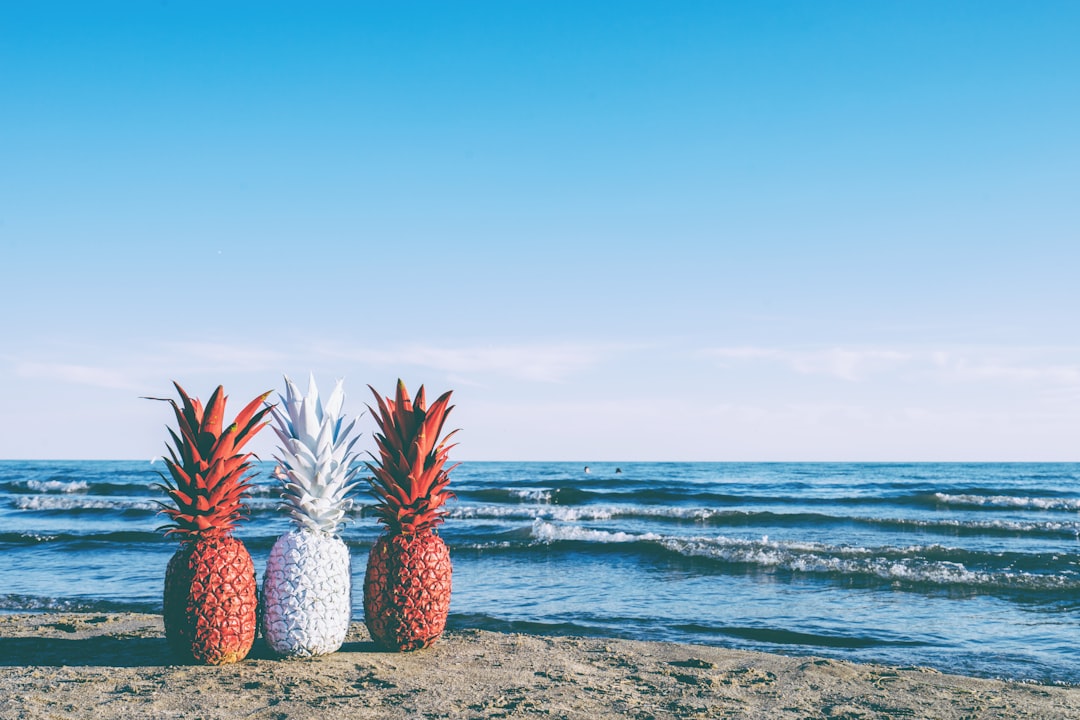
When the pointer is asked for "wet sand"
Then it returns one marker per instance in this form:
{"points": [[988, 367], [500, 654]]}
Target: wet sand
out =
{"points": [[119, 666]]}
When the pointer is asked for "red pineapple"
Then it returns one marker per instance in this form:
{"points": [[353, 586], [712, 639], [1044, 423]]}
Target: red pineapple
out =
{"points": [[408, 580], [210, 590]]}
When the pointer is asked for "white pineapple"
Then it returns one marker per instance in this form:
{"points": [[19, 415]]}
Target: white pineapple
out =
{"points": [[307, 588]]}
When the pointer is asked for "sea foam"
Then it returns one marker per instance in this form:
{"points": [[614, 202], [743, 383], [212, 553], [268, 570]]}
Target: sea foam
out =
{"points": [[63, 503], [58, 486], [1009, 501]]}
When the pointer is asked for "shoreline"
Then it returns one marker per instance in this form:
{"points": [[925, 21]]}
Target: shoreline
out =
{"points": [[118, 665]]}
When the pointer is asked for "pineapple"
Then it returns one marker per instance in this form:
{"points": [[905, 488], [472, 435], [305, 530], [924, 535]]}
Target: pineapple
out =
{"points": [[210, 591], [307, 588], [408, 580]]}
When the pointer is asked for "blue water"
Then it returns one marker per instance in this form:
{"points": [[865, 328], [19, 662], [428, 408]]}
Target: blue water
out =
{"points": [[968, 568]]}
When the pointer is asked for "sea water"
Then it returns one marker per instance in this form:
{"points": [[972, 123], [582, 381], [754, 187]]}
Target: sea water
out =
{"points": [[967, 568]]}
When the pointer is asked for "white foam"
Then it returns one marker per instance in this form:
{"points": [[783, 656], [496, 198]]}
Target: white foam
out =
{"points": [[547, 532], [39, 537], [564, 513], [1010, 525], [540, 495], [1034, 503], [57, 486], [530, 512], [59, 502], [893, 564], [896, 564]]}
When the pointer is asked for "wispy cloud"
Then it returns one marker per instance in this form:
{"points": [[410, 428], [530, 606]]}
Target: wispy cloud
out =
{"points": [[108, 378], [88, 366], [846, 364], [538, 363], [965, 365], [99, 367], [223, 356], [994, 366]]}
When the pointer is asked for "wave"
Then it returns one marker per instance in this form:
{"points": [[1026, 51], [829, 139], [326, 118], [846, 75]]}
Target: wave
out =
{"points": [[543, 495], [131, 537], [21, 487], [483, 621], [721, 517], [1009, 501], [57, 486], [546, 532], [13, 603], [683, 495], [107, 487], [75, 503], [915, 565], [647, 629], [549, 512], [63, 503]]}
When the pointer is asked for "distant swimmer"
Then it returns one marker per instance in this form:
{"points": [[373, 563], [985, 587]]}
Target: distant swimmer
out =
{"points": [[586, 468], [618, 471]]}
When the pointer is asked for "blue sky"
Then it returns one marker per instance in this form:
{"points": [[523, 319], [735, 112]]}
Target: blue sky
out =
{"points": [[619, 231]]}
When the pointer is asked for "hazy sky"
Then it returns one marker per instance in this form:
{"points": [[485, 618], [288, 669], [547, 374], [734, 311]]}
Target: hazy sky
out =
{"points": [[617, 230]]}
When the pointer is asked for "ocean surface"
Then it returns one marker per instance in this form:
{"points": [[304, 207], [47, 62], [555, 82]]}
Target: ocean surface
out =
{"points": [[967, 568]]}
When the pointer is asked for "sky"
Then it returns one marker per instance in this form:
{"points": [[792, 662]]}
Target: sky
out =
{"points": [[618, 231]]}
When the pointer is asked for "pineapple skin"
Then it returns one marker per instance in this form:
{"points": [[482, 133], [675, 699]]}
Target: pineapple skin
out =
{"points": [[307, 594], [407, 590], [211, 600]]}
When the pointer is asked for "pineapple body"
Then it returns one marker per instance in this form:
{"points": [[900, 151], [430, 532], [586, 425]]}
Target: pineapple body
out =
{"points": [[307, 594], [407, 590], [211, 600], [307, 590]]}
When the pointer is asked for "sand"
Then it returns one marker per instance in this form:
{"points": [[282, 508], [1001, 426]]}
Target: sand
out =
{"points": [[119, 666]]}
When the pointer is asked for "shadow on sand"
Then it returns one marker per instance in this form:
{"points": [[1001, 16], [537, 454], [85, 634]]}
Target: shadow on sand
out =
{"points": [[118, 651], [101, 651]]}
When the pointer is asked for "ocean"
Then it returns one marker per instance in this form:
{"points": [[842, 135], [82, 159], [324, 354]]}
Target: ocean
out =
{"points": [[966, 568]]}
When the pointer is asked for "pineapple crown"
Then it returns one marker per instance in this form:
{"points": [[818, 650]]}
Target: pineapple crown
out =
{"points": [[207, 469], [410, 480], [316, 464]]}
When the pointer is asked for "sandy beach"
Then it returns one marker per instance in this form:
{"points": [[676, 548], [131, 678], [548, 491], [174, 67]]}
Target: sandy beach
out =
{"points": [[118, 666]]}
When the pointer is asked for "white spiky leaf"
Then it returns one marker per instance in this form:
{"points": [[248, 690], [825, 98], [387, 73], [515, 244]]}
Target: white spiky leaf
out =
{"points": [[335, 401], [317, 457]]}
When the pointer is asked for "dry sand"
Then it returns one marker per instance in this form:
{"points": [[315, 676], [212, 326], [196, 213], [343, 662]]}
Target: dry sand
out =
{"points": [[118, 666]]}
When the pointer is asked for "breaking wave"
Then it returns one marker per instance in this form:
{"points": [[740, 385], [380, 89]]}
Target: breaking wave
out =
{"points": [[916, 565], [1009, 501], [58, 486], [64, 503], [721, 517]]}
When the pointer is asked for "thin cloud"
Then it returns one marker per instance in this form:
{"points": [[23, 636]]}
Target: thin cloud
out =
{"points": [[207, 356], [973, 365], [91, 367], [107, 378], [536, 363], [960, 367], [853, 365]]}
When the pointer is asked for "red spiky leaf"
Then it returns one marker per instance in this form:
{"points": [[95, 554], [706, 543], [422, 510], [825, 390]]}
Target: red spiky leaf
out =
{"points": [[408, 480], [208, 471]]}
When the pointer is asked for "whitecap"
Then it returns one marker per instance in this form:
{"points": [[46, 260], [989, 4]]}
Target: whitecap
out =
{"points": [[576, 513], [1033, 503], [547, 533], [540, 495], [59, 502], [57, 486], [907, 564]]}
